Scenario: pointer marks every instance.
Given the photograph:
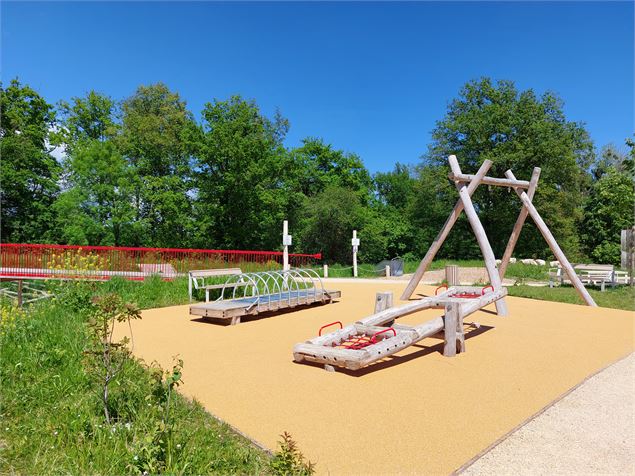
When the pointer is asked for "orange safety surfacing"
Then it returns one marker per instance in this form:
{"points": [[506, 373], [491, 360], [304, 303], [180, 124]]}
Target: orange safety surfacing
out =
{"points": [[422, 412]]}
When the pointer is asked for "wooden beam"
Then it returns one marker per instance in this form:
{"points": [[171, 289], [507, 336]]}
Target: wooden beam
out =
{"points": [[518, 226], [553, 244], [481, 236], [498, 182], [443, 234]]}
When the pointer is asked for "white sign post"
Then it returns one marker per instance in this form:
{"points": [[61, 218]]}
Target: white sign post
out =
{"points": [[355, 243], [286, 242]]}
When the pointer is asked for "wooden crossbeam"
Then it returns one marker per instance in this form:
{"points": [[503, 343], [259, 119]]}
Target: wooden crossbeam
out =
{"points": [[443, 234], [499, 182]]}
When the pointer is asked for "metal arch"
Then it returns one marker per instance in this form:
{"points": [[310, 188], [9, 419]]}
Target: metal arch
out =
{"points": [[313, 278], [240, 278], [259, 277], [291, 275], [269, 287], [272, 275], [307, 287]]}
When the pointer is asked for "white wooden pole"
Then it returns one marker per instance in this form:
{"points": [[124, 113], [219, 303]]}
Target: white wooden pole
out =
{"points": [[553, 244], [443, 234], [518, 226], [326, 270], [355, 245], [285, 249], [481, 236]]}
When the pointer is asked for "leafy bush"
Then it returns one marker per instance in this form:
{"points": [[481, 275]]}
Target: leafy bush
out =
{"points": [[289, 460]]}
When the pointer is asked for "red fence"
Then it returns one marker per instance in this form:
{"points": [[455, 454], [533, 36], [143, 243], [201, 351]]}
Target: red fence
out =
{"points": [[39, 261]]}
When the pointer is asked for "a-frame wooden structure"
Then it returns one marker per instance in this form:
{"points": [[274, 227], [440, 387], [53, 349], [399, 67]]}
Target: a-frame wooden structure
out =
{"points": [[466, 185]]}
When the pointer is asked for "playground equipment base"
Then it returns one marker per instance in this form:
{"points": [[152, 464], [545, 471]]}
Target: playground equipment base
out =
{"points": [[375, 337], [236, 308]]}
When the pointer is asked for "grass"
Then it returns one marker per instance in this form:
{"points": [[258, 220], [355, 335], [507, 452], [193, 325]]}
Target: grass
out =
{"points": [[621, 297], [51, 414]]}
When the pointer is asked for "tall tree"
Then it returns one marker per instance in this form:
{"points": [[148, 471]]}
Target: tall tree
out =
{"points": [[96, 209], [518, 130], [87, 118], [318, 165], [610, 205], [158, 138], [243, 193], [29, 173], [329, 220]]}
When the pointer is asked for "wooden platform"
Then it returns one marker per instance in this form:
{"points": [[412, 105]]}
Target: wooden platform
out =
{"points": [[234, 309]]}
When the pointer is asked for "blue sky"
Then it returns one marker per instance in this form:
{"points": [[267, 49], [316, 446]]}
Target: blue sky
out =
{"points": [[370, 78]]}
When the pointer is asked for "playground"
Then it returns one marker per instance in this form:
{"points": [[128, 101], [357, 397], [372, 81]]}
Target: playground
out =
{"points": [[417, 409]]}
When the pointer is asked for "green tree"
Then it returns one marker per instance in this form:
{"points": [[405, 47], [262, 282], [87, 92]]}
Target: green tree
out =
{"points": [[318, 165], [329, 220], [518, 130], [159, 138], [29, 173], [89, 118], [97, 208], [609, 208], [243, 177], [395, 188]]}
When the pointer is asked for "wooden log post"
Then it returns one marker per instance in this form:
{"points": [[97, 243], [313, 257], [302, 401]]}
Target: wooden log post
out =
{"points": [[383, 301], [453, 333], [627, 255], [452, 274], [355, 244], [326, 270], [553, 244], [481, 236], [518, 226], [20, 300], [443, 234], [388, 271]]}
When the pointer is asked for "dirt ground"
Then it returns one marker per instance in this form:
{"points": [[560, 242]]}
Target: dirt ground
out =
{"points": [[418, 412]]}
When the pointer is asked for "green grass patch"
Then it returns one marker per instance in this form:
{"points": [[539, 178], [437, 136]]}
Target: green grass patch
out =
{"points": [[52, 412], [621, 297]]}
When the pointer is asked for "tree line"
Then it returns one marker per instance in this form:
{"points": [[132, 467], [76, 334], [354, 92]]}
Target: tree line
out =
{"points": [[143, 171]]}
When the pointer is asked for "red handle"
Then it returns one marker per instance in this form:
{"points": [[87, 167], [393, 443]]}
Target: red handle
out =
{"points": [[486, 287], [329, 325], [442, 286], [373, 338]]}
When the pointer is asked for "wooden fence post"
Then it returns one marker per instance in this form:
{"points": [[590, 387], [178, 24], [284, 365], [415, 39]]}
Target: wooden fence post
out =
{"points": [[452, 274]]}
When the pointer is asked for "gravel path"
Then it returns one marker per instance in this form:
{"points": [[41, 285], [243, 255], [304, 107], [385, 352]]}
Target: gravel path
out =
{"points": [[589, 431]]}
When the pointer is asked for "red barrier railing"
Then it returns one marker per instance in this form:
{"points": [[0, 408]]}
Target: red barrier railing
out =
{"points": [[104, 262]]}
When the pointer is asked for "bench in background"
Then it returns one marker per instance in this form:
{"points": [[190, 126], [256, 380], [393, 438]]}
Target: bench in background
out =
{"points": [[196, 279]]}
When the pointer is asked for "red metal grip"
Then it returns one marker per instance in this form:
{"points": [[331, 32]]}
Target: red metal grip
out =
{"points": [[329, 325], [373, 339], [486, 287], [436, 291]]}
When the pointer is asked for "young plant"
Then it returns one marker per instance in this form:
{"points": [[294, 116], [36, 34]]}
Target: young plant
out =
{"points": [[288, 460], [109, 356]]}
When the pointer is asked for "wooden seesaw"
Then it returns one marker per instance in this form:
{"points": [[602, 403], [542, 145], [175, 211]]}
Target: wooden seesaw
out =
{"points": [[377, 336]]}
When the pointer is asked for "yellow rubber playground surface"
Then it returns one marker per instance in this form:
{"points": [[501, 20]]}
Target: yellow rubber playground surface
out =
{"points": [[418, 412]]}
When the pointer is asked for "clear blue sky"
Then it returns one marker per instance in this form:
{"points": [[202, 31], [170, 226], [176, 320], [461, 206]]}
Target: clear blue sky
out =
{"points": [[370, 78]]}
